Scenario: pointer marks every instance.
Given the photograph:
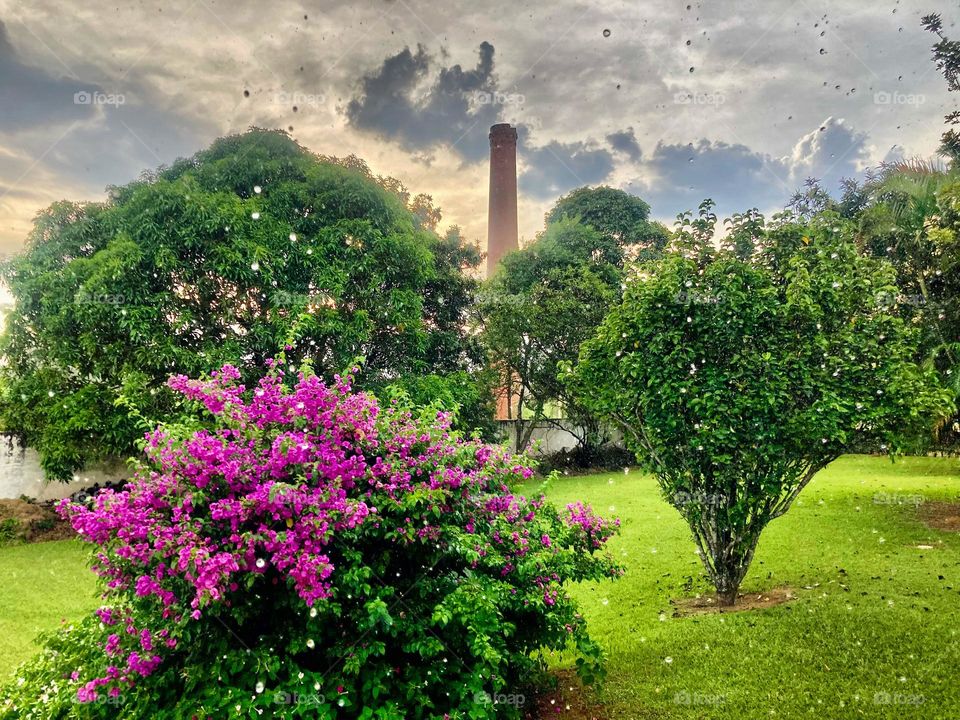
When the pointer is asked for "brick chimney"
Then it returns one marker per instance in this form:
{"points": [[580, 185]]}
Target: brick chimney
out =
{"points": [[502, 214], [502, 228]]}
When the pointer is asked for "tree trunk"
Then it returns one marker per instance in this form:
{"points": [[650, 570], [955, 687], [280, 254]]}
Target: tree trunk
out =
{"points": [[726, 552], [727, 599]]}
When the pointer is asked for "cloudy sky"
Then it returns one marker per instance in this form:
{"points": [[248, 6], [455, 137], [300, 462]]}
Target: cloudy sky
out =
{"points": [[736, 100]]}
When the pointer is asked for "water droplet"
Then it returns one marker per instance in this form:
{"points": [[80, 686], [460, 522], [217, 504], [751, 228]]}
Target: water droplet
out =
{"points": [[606, 32]]}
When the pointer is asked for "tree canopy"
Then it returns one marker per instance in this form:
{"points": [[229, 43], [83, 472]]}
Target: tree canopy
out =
{"points": [[736, 381], [250, 248], [548, 297]]}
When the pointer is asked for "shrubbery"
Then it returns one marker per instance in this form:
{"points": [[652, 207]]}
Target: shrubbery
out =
{"points": [[736, 381], [302, 552]]}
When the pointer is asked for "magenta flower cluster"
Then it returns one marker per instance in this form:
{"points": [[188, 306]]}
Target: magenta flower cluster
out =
{"points": [[263, 495]]}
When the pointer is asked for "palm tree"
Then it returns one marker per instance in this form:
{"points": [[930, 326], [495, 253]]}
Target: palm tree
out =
{"points": [[907, 204]]}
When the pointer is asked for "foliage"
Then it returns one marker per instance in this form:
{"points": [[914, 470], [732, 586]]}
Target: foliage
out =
{"points": [[228, 256], [912, 221], [467, 397], [309, 553], [737, 398], [615, 214], [946, 55], [547, 299]]}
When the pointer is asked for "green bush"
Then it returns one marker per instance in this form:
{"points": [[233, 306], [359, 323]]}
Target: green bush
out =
{"points": [[311, 554]]}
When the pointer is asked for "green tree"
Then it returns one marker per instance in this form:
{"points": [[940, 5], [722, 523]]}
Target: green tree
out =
{"points": [[911, 221], [248, 248], [617, 215], [736, 382], [549, 297], [946, 55], [543, 302]]}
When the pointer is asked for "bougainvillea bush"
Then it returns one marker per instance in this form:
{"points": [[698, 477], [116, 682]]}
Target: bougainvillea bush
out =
{"points": [[307, 553]]}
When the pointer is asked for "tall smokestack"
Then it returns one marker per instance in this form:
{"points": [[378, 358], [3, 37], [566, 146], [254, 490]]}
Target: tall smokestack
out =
{"points": [[502, 215]]}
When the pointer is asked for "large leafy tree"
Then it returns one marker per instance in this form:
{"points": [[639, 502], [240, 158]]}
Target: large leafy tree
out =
{"points": [[545, 301], [617, 215], [547, 298], [248, 248], [735, 400]]}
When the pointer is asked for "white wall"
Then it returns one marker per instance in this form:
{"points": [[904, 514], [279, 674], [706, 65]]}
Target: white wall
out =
{"points": [[21, 474], [551, 438]]}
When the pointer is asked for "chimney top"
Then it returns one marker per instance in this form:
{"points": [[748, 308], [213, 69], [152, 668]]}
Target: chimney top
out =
{"points": [[503, 130]]}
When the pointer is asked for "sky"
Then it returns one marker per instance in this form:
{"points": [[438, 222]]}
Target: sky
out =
{"points": [[674, 102]]}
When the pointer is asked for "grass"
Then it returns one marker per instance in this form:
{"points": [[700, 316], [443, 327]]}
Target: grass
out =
{"points": [[874, 636], [40, 585], [878, 622]]}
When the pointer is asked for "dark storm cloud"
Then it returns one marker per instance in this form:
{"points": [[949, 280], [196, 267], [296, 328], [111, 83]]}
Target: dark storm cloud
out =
{"points": [[457, 108], [738, 177], [683, 175], [552, 169], [30, 96], [625, 141]]}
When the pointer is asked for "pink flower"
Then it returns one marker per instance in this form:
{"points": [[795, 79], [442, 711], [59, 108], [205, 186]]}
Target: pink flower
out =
{"points": [[258, 499]]}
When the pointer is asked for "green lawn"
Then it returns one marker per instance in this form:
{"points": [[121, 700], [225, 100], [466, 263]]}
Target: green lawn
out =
{"points": [[878, 622], [877, 619], [40, 585]]}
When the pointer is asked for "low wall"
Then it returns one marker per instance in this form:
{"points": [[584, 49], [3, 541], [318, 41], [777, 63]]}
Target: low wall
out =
{"points": [[21, 474], [546, 438]]}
